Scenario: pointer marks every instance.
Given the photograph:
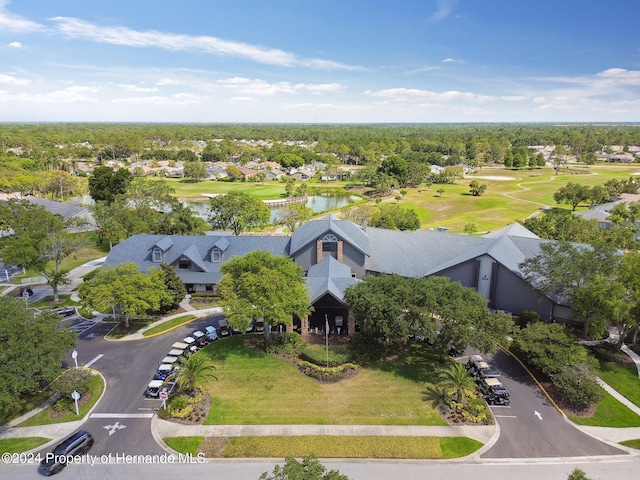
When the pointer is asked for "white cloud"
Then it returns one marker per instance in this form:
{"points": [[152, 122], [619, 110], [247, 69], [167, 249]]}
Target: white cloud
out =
{"points": [[69, 95], [452, 60], [315, 106], [445, 8], [177, 99], [11, 80], [320, 64], [248, 100], [15, 23], [118, 35], [421, 70], [157, 100], [136, 88], [17, 45], [250, 87], [417, 95], [76, 28]]}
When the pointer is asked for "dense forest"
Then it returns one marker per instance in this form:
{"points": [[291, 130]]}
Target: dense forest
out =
{"points": [[43, 143]]}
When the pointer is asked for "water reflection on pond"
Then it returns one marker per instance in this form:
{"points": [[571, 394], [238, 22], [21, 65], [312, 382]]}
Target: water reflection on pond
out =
{"points": [[317, 203]]}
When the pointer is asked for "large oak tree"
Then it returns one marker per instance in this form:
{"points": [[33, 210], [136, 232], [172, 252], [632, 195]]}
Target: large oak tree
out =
{"points": [[237, 211], [262, 285], [32, 352]]}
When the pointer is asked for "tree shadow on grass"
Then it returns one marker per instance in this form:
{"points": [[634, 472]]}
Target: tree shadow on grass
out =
{"points": [[418, 363]]}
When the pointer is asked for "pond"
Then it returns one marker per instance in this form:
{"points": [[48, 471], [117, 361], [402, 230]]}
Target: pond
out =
{"points": [[317, 203]]}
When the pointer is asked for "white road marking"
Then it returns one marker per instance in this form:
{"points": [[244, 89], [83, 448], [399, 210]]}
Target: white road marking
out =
{"points": [[505, 416], [114, 428], [121, 415], [537, 414], [94, 360]]}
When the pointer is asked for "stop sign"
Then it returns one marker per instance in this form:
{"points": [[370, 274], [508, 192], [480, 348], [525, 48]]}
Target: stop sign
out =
{"points": [[163, 395]]}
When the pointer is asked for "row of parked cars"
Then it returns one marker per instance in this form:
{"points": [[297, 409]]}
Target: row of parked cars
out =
{"points": [[491, 389], [164, 378]]}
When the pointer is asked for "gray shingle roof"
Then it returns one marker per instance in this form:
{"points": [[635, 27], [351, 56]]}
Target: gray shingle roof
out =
{"points": [[138, 248], [345, 230], [329, 276], [415, 254]]}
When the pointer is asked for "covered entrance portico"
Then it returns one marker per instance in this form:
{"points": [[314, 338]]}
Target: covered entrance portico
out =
{"points": [[332, 312]]}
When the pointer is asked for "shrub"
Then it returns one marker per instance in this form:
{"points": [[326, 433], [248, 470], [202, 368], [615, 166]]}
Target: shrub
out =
{"points": [[63, 404], [529, 316], [179, 407], [607, 352], [77, 379], [317, 354], [283, 343], [548, 347], [324, 374], [578, 386]]}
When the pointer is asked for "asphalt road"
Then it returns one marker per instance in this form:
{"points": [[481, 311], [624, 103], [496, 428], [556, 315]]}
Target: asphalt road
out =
{"points": [[121, 422], [531, 427], [354, 469]]}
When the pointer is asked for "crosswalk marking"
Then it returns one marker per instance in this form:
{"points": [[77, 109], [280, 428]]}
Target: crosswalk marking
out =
{"points": [[121, 415]]}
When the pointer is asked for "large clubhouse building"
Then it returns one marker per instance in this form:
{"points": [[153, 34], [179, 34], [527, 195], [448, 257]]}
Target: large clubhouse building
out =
{"points": [[337, 253]]}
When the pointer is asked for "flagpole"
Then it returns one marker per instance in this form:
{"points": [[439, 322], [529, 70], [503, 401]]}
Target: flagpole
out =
{"points": [[326, 329]]}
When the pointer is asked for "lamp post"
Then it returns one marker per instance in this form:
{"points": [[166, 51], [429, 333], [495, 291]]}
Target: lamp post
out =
{"points": [[74, 355]]}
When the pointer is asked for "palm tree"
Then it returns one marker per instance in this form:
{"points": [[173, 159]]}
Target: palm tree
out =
{"points": [[194, 372], [457, 378]]}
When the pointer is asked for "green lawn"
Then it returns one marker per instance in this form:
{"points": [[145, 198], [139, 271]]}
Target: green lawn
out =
{"points": [[505, 201], [19, 445], [164, 326], [624, 379], [352, 447], [331, 447], [46, 417], [256, 388], [609, 413], [264, 190]]}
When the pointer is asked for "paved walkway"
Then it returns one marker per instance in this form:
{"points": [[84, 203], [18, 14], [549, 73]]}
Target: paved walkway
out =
{"points": [[482, 433]]}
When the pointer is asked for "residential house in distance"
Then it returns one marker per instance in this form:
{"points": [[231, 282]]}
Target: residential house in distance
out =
{"points": [[67, 210], [337, 253]]}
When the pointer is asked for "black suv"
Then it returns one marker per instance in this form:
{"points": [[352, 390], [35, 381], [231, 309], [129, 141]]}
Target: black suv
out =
{"points": [[76, 444]]}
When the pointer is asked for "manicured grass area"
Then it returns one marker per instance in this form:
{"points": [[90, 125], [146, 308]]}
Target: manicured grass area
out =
{"points": [[184, 444], [505, 201], [47, 302], [336, 446], [631, 443], [255, 388], [168, 325], [96, 387], [623, 378], [19, 445], [609, 413], [519, 194], [264, 190]]}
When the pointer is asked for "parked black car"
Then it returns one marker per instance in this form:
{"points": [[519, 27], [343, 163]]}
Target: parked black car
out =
{"points": [[77, 444]]}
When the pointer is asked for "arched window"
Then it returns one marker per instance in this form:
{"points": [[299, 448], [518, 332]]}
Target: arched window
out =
{"points": [[157, 255], [216, 255], [330, 245]]}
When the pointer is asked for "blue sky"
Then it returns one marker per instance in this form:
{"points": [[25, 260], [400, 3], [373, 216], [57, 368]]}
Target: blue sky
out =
{"points": [[334, 61]]}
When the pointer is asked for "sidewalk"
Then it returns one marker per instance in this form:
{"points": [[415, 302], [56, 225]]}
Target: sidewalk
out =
{"points": [[164, 428]]}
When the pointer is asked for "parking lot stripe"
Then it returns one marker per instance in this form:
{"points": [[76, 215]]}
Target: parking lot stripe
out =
{"points": [[91, 362], [505, 416]]}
